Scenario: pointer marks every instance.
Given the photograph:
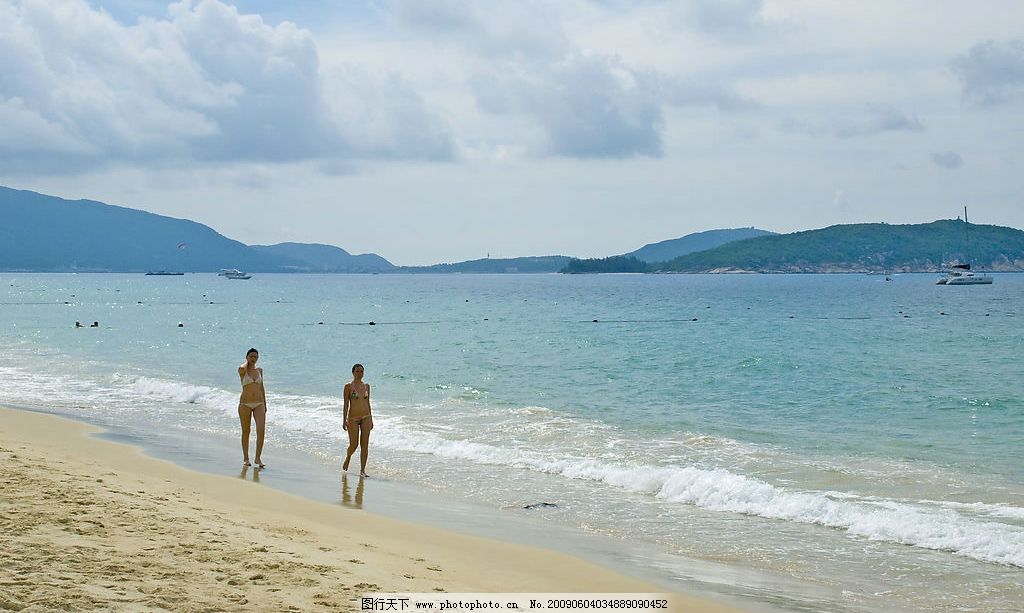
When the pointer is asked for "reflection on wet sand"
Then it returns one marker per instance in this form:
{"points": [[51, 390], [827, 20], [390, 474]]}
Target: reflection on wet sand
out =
{"points": [[245, 474], [346, 492]]}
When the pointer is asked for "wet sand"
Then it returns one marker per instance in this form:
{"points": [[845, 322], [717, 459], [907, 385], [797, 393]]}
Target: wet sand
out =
{"points": [[87, 524]]}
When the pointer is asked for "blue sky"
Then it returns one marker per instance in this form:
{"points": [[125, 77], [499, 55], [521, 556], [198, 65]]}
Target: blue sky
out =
{"points": [[444, 130]]}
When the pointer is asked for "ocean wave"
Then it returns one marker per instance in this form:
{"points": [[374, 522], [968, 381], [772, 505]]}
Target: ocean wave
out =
{"points": [[968, 529], [719, 489]]}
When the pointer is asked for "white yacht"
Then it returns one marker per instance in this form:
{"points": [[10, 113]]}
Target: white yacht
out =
{"points": [[233, 273], [961, 274]]}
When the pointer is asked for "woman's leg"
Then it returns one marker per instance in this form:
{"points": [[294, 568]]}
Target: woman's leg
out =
{"points": [[260, 415], [245, 416], [364, 443], [353, 442]]}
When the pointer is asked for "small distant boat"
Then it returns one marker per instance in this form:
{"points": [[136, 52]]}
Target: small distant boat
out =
{"points": [[164, 273], [234, 273], [961, 274]]}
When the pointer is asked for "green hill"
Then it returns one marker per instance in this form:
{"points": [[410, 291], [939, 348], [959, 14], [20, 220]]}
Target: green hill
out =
{"points": [[699, 241], [532, 264], [863, 248], [315, 257]]}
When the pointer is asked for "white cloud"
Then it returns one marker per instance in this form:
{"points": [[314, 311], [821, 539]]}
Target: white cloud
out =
{"points": [[992, 73], [874, 119], [205, 83], [734, 19]]}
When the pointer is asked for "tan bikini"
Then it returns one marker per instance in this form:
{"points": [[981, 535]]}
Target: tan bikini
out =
{"points": [[247, 380]]}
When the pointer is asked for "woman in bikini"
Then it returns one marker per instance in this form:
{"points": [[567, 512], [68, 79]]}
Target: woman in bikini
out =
{"points": [[252, 405], [357, 418]]}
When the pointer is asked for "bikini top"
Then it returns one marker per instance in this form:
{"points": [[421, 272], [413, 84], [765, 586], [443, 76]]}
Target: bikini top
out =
{"points": [[355, 395], [246, 379]]}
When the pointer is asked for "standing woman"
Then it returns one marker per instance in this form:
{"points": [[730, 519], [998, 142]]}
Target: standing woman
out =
{"points": [[358, 420], [252, 405]]}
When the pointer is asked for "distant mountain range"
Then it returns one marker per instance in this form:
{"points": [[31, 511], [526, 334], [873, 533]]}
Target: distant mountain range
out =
{"points": [[49, 234], [653, 253], [701, 241], [315, 257], [534, 264], [40, 233]]}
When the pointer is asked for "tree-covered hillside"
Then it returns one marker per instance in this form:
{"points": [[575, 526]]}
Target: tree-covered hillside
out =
{"points": [[864, 247]]}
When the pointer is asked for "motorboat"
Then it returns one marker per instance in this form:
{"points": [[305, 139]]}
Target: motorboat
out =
{"points": [[234, 273]]}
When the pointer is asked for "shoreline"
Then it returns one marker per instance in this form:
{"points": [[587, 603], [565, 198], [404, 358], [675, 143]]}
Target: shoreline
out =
{"points": [[93, 523]]}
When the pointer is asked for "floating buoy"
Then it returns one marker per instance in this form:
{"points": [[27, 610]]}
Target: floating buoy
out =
{"points": [[181, 325], [319, 323]]}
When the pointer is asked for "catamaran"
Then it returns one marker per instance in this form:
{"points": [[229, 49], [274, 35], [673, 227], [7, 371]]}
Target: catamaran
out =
{"points": [[961, 274]]}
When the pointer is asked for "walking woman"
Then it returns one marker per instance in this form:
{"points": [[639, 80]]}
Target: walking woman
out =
{"points": [[358, 420], [252, 405]]}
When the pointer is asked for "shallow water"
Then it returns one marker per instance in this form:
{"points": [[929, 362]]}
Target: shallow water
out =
{"points": [[853, 440]]}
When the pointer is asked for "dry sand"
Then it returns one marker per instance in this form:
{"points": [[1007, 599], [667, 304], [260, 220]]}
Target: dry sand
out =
{"points": [[91, 525]]}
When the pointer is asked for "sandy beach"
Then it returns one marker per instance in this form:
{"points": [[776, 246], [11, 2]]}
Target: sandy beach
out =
{"points": [[87, 524]]}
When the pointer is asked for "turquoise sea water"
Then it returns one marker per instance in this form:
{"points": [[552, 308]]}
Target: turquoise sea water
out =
{"points": [[859, 439]]}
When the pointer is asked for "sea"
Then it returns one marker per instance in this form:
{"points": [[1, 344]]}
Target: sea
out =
{"points": [[808, 442]]}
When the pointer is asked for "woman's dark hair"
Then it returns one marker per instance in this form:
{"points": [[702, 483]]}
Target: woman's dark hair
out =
{"points": [[251, 350], [355, 366]]}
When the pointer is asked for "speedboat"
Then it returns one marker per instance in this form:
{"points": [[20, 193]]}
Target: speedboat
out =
{"points": [[237, 274]]}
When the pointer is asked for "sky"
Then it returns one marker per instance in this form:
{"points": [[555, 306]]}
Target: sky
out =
{"points": [[434, 131]]}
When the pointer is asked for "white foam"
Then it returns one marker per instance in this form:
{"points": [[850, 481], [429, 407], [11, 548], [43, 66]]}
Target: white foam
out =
{"points": [[722, 490], [946, 526]]}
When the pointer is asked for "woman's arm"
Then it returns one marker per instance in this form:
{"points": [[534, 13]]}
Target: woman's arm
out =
{"points": [[344, 407], [369, 410], [263, 389]]}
